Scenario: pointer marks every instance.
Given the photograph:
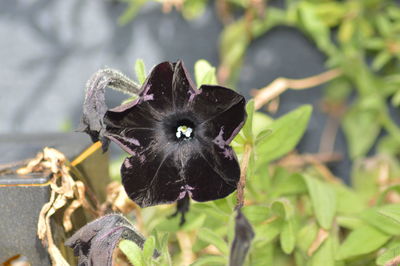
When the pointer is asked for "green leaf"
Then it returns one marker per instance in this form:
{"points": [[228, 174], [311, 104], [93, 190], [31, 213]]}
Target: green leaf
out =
{"points": [[389, 145], [210, 210], [140, 71], [211, 237], [306, 236], [269, 231], [349, 222], [331, 12], [163, 246], [348, 201], [323, 199], [204, 73], [381, 60], [363, 240], [346, 30], [338, 90], [383, 25], [161, 240], [356, 123], [285, 134], [315, 27], [375, 43], [210, 260], [193, 221], [324, 254], [389, 257], [364, 180], [256, 213], [193, 8], [283, 208], [132, 251], [392, 212], [396, 99], [148, 248], [260, 123], [381, 218], [288, 237], [262, 135], [289, 184], [248, 126]]}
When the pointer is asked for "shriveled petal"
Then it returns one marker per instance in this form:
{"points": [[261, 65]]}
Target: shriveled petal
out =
{"points": [[153, 177], [212, 173], [183, 88], [157, 89], [95, 242], [222, 111]]}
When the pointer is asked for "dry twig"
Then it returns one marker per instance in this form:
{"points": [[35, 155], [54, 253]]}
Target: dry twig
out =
{"points": [[280, 85]]}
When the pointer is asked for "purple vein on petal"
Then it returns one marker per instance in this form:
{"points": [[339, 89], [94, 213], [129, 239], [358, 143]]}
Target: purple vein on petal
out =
{"points": [[219, 140], [234, 133], [186, 190], [122, 145]]}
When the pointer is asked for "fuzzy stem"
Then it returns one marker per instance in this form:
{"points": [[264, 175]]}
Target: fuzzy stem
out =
{"points": [[113, 79]]}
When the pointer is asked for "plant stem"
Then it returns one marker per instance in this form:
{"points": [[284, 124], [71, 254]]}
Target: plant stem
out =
{"points": [[280, 85], [243, 173]]}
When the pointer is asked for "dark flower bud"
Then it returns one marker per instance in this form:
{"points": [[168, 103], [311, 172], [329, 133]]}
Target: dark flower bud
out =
{"points": [[244, 234]]}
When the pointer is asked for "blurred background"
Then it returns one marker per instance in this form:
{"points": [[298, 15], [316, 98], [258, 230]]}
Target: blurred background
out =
{"points": [[49, 49]]}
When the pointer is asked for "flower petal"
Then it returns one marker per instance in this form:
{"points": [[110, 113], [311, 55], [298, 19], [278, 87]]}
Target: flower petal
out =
{"points": [[133, 141], [212, 173], [153, 177], [131, 126], [157, 89], [222, 111], [183, 88]]}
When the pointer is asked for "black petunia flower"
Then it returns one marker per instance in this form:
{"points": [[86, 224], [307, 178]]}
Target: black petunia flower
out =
{"points": [[178, 138]]}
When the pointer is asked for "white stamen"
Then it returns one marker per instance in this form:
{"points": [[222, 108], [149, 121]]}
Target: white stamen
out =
{"points": [[187, 131]]}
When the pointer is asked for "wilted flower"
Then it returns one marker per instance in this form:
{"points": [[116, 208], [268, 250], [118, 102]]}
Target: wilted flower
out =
{"points": [[95, 242], [244, 234], [178, 138]]}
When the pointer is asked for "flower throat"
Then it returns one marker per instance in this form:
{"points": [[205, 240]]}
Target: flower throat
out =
{"points": [[184, 130]]}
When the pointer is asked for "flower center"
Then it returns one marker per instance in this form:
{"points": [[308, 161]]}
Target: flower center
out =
{"points": [[183, 129], [184, 132]]}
